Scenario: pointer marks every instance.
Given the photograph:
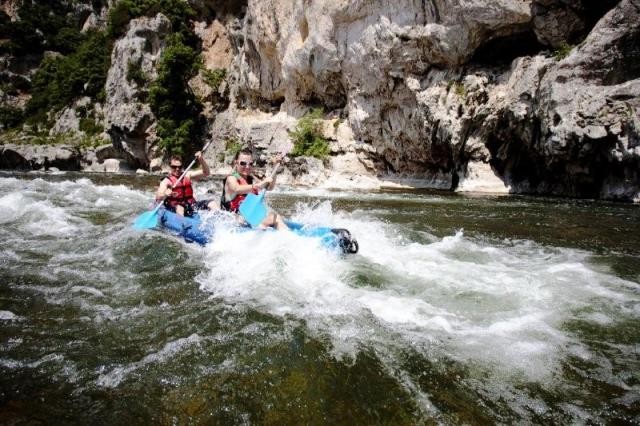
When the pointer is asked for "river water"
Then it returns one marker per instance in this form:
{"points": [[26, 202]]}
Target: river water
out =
{"points": [[457, 309]]}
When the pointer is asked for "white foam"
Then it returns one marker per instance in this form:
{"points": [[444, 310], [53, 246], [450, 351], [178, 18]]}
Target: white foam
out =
{"points": [[115, 376], [88, 290], [503, 306], [8, 316]]}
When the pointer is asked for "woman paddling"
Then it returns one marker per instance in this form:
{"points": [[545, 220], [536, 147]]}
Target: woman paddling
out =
{"points": [[241, 182]]}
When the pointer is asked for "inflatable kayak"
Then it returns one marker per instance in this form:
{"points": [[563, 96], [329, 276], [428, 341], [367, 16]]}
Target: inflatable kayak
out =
{"points": [[192, 229]]}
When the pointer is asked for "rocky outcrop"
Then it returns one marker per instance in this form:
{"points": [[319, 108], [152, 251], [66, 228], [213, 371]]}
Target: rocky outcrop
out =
{"points": [[62, 157], [525, 96], [210, 85], [39, 157], [578, 132], [128, 118], [461, 95]]}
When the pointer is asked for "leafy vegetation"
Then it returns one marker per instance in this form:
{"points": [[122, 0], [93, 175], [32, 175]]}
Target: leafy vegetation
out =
{"points": [[10, 117], [178, 11], [307, 136], [232, 147], [89, 126], [43, 25], [91, 141], [61, 79], [173, 104], [458, 88], [562, 51], [214, 77], [135, 73], [79, 68]]}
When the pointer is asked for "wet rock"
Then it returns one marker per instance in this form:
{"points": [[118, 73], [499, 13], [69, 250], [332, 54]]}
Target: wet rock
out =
{"points": [[113, 165]]}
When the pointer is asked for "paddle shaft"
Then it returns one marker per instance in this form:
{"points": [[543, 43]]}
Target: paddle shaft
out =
{"points": [[274, 172], [204, 148]]}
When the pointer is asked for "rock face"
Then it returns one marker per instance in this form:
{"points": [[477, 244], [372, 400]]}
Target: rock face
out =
{"points": [[36, 157], [128, 118], [523, 96], [461, 95]]}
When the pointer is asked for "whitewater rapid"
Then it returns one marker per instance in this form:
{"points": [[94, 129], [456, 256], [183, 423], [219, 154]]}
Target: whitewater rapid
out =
{"points": [[501, 307]]}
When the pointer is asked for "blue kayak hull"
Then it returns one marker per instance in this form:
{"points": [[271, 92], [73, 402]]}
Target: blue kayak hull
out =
{"points": [[193, 230]]}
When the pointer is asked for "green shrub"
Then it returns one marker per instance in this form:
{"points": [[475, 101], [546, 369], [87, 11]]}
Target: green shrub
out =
{"points": [[171, 100], [214, 77], [60, 80], [10, 117], [307, 137], [42, 25], [179, 13], [91, 141], [232, 147], [458, 88], [562, 51], [57, 139], [135, 73], [90, 126]]}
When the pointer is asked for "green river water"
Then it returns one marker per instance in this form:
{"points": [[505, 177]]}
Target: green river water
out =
{"points": [[458, 309]]}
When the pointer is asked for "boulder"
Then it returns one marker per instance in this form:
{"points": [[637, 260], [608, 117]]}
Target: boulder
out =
{"points": [[37, 157], [113, 165]]}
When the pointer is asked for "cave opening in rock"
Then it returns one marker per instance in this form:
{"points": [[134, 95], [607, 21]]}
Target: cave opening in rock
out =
{"points": [[501, 51], [594, 11]]}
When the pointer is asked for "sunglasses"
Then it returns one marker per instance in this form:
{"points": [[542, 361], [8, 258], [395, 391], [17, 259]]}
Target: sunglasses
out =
{"points": [[175, 167], [246, 163]]}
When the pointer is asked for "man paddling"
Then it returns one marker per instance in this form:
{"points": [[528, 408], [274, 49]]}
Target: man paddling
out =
{"points": [[241, 182], [179, 195]]}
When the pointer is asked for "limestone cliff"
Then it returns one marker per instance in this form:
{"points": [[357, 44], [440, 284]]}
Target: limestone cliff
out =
{"points": [[465, 95], [522, 96]]}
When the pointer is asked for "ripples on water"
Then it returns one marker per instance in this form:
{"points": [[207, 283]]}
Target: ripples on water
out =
{"points": [[529, 314]]}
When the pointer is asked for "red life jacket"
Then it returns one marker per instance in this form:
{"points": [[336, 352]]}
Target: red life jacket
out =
{"points": [[234, 204], [182, 193]]}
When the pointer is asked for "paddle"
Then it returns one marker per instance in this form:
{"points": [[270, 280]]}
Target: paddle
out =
{"points": [[149, 220], [253, 209]]}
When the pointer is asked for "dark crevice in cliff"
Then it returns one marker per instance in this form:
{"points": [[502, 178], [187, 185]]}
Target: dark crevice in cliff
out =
{"points": [[594, 11], [221, 9], [584, 170], [501, 51], [627, 65], [433, 8], [262, 104], [515, 164]]}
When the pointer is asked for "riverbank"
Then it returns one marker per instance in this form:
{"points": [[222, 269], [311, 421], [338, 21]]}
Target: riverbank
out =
{"points": [[333, 174]]}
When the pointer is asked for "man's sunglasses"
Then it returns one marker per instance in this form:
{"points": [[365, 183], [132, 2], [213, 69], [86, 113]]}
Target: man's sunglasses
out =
{"points": [[245, 163], [175, 167]]}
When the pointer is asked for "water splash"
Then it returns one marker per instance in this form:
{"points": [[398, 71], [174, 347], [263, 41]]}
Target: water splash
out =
{"points": [[502, 306]]}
